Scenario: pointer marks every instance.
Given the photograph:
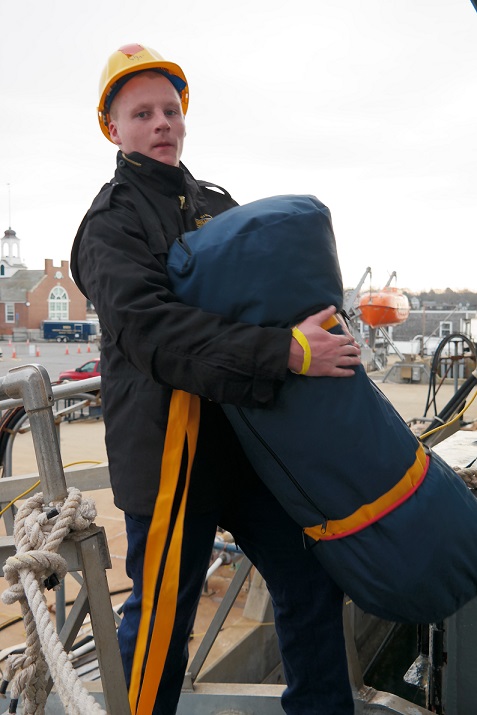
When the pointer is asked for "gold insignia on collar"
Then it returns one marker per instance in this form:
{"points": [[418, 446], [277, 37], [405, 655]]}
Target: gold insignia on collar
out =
{"points": [[203, 219]]}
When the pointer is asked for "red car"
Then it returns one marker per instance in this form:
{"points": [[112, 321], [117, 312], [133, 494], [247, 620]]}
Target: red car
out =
{"points": [[92, 368]]}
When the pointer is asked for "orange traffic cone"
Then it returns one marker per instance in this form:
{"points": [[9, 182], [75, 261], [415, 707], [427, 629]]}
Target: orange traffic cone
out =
{"points": [[37, 352], [79, 349], [14, 352], [67, 352], [88, 349]]}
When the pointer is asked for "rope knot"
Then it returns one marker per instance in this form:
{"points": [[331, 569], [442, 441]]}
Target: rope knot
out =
{"points": [[468, 475], [38, 534], [41, 563], [85, 515]]}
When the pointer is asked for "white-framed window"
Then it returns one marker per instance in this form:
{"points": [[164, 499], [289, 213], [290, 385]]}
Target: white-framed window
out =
{"points": [[9, 312], [58, 304], [445, 328]]}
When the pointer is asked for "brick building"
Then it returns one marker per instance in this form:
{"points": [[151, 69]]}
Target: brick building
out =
{"points": [[27, 297]]}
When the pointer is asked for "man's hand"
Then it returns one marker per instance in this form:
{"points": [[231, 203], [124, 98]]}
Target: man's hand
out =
{"points": [[331, 355]]}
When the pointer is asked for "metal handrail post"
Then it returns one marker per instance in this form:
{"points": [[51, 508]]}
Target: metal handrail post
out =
{"points": [[31, 384]]}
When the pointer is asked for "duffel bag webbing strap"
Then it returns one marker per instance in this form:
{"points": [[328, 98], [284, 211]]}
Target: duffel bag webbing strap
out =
{"points": [[150, 654], [369, 513], [330, 323]]}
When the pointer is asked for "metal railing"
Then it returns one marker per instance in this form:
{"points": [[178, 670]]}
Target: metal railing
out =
{"points": [[29, 386]]}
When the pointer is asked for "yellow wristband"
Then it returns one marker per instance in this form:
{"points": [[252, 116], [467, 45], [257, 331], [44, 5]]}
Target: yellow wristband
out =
{"points": [[301, 339]]}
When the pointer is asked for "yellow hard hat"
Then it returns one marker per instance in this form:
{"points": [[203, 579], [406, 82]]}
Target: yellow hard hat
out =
{"points": [[129, 60]]}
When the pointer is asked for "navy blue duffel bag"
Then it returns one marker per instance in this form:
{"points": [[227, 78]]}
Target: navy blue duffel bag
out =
{"points": [[391, 522]]}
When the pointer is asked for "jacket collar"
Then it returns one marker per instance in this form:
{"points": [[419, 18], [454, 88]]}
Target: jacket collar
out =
{"points": [[154, 176], [167, 179]]}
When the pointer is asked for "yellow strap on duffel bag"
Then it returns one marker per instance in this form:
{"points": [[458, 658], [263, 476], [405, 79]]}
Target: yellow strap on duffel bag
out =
{"points": [[183, 424], [330, 323], [369, 513]]}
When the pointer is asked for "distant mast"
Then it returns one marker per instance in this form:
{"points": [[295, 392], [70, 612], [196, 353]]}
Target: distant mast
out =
{"points": [[9, 205]]}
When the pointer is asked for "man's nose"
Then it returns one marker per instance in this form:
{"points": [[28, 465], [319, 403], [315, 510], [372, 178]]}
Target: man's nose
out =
{"points": [[162, 121]]}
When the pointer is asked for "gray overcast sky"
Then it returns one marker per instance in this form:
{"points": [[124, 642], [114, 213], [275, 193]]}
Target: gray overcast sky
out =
{"points": [[369, 105]]}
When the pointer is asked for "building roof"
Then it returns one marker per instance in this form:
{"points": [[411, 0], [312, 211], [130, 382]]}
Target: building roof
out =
{"points": [[14, 288], [427, 322]]}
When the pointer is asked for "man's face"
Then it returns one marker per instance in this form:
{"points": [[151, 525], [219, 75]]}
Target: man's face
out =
{"points": [[146, 116]]}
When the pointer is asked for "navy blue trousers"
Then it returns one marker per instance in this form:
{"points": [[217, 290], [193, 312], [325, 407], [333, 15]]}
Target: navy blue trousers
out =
{"points": [[307, 603]]}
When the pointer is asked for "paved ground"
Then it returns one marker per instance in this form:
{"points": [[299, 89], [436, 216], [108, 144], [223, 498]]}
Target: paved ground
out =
{"points": [[55, 357]]}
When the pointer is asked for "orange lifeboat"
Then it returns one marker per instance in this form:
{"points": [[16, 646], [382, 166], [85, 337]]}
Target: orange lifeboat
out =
{"points": [[385, 307]]}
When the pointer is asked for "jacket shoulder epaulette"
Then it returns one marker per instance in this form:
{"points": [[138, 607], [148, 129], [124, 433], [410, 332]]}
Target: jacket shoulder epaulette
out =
{"points": [[209, 185], [102, 201]]}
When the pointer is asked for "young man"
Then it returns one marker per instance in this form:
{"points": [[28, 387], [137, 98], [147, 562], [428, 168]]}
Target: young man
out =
{"points": [[153, 344]]}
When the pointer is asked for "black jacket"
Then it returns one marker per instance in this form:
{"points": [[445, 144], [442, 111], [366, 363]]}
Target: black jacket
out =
{"points": [[151, 342]]}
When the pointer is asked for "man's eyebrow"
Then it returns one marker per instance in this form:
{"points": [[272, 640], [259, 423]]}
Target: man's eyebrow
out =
{"points": [[148, 103], [141, 105]]}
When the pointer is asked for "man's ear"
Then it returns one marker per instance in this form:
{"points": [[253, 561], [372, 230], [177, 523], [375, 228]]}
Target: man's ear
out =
{"points": [[113, 133]]}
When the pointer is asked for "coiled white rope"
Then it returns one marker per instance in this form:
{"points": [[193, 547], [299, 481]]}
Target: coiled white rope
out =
{"points": [[468, 475], [37, 565]]}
